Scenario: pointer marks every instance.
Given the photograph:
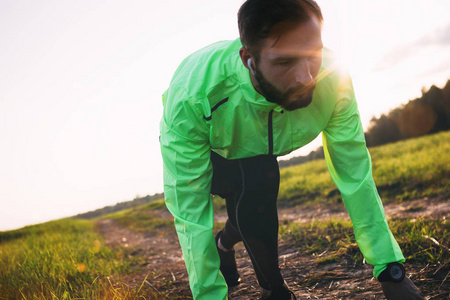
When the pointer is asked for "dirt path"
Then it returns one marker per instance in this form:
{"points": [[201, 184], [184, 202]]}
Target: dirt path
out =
{"points": [[339, 280], [162, 256], [427, 207]]}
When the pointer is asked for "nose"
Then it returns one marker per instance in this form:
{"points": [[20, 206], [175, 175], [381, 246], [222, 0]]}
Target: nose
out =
{"points": [[303, 74]]}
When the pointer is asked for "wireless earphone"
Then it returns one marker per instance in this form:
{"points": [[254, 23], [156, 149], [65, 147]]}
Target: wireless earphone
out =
{"points": [[249, 63]]}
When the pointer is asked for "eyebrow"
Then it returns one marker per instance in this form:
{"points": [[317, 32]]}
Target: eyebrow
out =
{"points": [[280, 57]]}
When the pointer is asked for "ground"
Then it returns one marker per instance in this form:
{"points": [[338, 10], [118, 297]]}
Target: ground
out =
{"points": [[167, 276]]}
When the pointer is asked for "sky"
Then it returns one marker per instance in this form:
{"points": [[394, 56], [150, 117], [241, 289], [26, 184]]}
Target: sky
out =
{"points": [[81, 84]]}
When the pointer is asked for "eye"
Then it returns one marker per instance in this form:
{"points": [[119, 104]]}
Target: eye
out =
{"points": [[284, 62]]}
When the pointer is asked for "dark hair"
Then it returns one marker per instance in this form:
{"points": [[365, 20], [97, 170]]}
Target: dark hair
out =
{"points": [[257, 17]]}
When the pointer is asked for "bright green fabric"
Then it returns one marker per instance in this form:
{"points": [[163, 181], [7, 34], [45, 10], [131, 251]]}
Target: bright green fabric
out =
{"points": [[211, 105]]}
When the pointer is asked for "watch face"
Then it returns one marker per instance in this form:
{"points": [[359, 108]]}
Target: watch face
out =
{"points": [[396, 272]]}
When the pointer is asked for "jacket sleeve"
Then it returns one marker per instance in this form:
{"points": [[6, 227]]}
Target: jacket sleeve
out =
{"points": [[187, 169], [349, 164]]}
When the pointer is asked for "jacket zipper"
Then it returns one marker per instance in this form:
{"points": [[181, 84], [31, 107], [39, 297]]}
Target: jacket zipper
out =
{"points": [[270, 133]]}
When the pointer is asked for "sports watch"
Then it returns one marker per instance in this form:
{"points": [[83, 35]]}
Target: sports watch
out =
{"points": [[394, 272]]}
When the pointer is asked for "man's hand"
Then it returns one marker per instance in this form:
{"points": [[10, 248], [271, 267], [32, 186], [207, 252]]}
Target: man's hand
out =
{"points": [[404, 290]]}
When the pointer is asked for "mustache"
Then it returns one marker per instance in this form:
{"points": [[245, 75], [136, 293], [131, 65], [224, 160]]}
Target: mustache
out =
{"points": [[301, 89]]}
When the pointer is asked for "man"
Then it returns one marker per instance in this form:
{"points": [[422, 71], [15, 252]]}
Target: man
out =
{"points": [[230, 110]]}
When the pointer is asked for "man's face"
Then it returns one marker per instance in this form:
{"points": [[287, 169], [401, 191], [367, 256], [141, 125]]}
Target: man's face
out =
{"points": [[288, 64]]}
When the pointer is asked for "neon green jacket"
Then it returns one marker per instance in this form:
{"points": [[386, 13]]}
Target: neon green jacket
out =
{"points": [[211, 105]]}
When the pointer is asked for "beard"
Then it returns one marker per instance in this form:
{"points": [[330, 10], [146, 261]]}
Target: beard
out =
{"points": [[302, 95]]}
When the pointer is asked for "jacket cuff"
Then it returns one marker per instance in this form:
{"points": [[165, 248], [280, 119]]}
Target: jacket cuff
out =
{"points": [[377, 269]]}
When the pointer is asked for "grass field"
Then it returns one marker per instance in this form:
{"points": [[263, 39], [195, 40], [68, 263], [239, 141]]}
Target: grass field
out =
{"points": [[404, 170], [63, 259], [68, 259], [422, 240]]}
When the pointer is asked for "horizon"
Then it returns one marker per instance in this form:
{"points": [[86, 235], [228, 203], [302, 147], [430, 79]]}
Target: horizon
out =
{"points": [[81, 86]]}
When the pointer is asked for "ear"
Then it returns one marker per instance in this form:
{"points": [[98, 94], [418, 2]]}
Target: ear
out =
{"points": [[245, 55]]}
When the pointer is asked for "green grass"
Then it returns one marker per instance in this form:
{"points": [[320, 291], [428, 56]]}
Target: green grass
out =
{"points": [[155, 205], [141, 219], [325, 239], [62, 259], [147, 218], [414, 168], [404, 170], [305, 183], [423, 241]]}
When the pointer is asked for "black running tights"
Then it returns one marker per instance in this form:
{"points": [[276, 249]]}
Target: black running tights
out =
{"points": [[250, 187]]}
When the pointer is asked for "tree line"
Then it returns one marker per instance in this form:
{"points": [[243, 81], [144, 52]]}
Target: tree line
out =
{"points": [[425, 115]]}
